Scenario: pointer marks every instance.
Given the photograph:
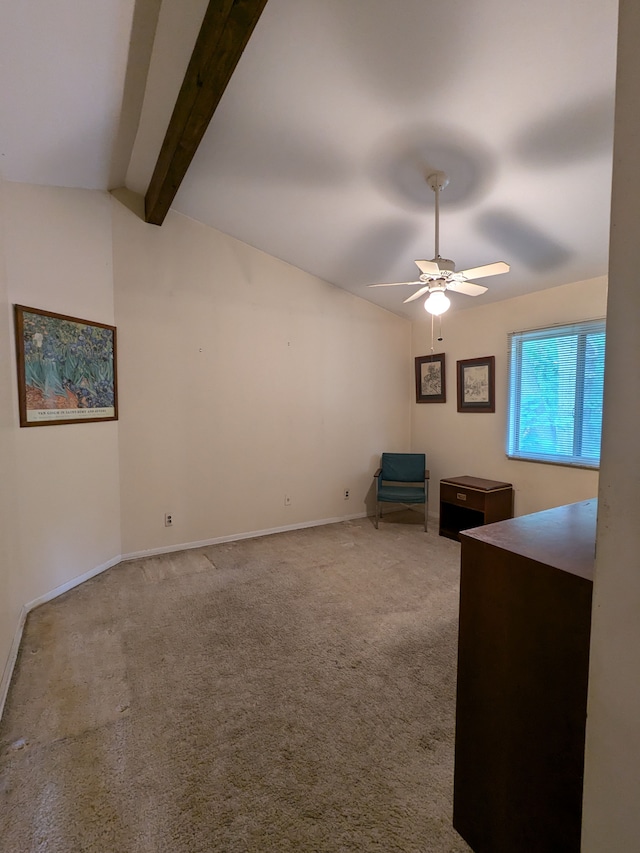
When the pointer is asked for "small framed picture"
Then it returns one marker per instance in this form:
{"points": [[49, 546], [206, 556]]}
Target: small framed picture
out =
{"points": [[66, 369], [430, 379], [476, 384]]}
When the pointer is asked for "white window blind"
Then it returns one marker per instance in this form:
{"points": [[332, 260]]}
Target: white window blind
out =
{"points": [[555, 394]]}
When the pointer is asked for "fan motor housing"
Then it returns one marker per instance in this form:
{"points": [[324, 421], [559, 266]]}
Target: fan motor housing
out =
{"points": [[445, 264]]}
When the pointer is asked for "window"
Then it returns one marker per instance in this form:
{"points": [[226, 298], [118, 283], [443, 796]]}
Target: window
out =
{"points": [[555, 394]]}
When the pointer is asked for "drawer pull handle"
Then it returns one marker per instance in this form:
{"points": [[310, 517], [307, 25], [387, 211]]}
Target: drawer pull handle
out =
{"points": [[461, 497]]}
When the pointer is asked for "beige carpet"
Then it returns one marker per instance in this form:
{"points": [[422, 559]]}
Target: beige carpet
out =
{"points": [[288, 693]]}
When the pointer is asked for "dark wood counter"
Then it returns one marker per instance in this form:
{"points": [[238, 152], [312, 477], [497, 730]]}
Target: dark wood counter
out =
{"points": [[523, 657]]}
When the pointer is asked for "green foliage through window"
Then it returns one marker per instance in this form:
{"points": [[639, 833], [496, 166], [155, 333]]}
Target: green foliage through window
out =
{"points": [[555, 394]]}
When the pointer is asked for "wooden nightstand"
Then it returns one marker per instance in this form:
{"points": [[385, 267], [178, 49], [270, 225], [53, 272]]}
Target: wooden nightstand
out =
{"points": [[471, 502]]}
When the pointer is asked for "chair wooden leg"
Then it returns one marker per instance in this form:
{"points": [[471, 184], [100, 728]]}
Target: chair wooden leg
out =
{"points": [[426, 513], [376, 518]]}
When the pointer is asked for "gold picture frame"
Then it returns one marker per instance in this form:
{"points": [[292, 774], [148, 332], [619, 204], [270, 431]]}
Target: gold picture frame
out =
{"points": [[66, 369]]}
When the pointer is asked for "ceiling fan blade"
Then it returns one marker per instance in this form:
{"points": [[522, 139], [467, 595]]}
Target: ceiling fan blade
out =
{"points": [[417, 294], [487, 269], [394, 284], [467, 287], [428, 267]]}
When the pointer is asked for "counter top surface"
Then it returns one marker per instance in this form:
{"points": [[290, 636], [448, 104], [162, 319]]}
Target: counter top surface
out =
{"points": [[563, 537]]}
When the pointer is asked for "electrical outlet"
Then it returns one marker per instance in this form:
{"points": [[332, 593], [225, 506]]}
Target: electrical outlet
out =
{"points": [[346, 494], [287, 500], [168, 519]]}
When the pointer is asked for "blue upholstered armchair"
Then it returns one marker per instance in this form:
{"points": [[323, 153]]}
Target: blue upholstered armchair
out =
{"points": [[402, 478]]}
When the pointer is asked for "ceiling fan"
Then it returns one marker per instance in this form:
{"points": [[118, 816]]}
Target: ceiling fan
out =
{"points": [[439, 274]]}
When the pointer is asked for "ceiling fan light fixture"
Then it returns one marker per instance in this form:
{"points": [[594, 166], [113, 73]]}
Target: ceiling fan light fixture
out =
{"points": [[437, 303], [439, 274]]}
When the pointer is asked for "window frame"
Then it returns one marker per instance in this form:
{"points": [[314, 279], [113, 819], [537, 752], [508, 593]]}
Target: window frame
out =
{"points": [[514, 392]]}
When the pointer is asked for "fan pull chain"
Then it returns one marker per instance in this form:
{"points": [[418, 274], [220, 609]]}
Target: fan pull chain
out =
{"points": [[440, 338]]}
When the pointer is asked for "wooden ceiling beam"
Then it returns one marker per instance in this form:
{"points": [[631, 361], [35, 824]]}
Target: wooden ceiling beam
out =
{"points": [[225, 31]]}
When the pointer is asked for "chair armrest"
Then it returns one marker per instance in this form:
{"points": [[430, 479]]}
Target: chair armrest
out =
{"points": [[426, 473], [378, 472]]}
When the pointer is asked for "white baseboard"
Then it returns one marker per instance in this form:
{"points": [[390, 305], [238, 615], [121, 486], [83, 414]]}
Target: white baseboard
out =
{"points": [[11, 660], [235, 537], [151, 552], [27, 608], [65, 587]]}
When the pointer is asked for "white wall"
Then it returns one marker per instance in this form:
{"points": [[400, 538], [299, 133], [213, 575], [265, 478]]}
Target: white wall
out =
{"points": [[58, 257], [10, 569], [471, 443], [242, 380], [612, 773], [226, 353]]}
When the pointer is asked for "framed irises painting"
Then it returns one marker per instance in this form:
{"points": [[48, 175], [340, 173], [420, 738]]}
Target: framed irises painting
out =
{"points": [[66, 369]]}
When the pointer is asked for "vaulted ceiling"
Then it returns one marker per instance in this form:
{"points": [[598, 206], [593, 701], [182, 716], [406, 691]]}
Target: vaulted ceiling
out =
{"points": [[319, 148]]}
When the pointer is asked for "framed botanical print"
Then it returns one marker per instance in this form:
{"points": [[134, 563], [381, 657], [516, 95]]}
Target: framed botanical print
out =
{"points": [[430, 379], [476, 384]]}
